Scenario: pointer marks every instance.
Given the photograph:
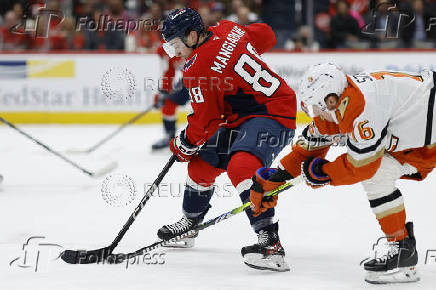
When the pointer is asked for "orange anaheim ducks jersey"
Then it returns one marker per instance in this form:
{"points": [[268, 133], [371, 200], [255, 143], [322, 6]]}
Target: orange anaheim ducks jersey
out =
{"points": [[379, 112]]}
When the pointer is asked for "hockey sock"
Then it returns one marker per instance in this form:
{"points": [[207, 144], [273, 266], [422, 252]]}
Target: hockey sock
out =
{"points": [[391, 215], [199, 187], [169, 117], [241, 168], [170, 127], [261, 221], [196, 202]]}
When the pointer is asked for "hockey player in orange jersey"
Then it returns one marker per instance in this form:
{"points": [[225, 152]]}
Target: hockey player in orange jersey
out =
{"points": [[386, 120]]}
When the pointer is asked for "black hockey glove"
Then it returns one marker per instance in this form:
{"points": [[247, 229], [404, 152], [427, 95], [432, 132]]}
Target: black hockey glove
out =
{"points": [[312, 172]]}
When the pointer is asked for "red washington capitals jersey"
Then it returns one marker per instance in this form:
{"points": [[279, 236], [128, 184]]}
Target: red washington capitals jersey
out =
{"points": [[228, 82]]}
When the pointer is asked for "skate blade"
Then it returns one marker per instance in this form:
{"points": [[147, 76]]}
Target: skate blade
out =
{"points": [[183, 243], [399, 275], [273, 263]]}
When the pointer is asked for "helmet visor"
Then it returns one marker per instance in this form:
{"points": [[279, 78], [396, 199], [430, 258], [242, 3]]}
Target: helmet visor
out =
{"points": [[308, 109], [169, 49], [173, 47], [317, 111], [313, 110]]}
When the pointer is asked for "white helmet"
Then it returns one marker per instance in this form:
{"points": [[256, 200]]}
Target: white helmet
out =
{"points": [[318, 82]]}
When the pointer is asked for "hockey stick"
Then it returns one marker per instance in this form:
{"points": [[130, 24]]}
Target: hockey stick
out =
{"points": [[98, 255], [119, 258], [111, 135], [94, 174]]}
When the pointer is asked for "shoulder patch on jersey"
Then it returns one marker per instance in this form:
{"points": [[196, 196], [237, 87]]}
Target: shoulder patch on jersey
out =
{"points": [[351, 105], [343, 106], [189, 62]]}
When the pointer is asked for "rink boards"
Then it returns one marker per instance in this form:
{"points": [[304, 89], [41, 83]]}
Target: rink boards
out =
{"points": [[66, 88]]}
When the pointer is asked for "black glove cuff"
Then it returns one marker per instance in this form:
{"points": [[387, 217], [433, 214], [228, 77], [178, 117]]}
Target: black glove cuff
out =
{"points": [[185, 142], [280, 175], [257, 187]]}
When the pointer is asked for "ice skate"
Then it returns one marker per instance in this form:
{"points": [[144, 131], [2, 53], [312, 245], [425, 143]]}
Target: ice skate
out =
{"points": [[162, 143], [268, 253], [184, 225], [397, 265]]}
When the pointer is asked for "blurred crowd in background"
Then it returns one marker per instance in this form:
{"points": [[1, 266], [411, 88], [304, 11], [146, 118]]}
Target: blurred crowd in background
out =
{"points": [[300, 25]]}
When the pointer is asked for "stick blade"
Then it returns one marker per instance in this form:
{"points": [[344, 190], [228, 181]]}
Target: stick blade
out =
{"points": [[85, 257], [75, 151], [105, 170]]}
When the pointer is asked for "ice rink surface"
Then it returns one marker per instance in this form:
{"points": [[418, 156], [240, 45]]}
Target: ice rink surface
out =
{"points": [[325, 232]]}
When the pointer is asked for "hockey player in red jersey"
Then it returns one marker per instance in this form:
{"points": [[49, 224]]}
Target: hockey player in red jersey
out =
{"points": [[243, 115], [171, 94], [385, 119]]}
